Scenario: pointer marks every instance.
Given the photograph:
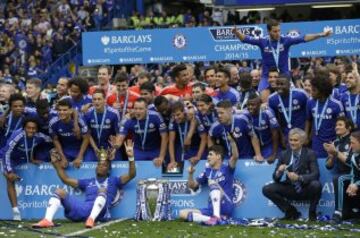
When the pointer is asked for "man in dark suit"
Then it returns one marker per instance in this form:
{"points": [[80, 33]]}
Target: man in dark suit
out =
{"points": [[296, 177], [347, 192]]}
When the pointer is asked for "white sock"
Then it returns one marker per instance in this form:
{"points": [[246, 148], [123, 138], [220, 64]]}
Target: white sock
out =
{"points": [[53, 205], [99, 204], [15, 210], [215, 196], [339, 213], [199, 218], [16, 214]]}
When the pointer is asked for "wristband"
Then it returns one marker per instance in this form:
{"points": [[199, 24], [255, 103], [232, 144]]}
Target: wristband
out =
{"points": [[131, 159]]}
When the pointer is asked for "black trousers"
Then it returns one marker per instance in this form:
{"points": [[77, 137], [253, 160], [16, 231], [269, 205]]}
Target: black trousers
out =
{"points": [[282, 193], [343, 202]]}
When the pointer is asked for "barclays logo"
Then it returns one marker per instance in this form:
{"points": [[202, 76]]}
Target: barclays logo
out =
{"points": [[105, 40], [43, 190], [180, 188], [347, 29], [225, 33]]}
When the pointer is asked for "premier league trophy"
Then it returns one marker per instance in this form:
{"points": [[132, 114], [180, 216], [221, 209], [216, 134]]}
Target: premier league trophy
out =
{"points": [[102, 154], [152, 193], [153, 200]]}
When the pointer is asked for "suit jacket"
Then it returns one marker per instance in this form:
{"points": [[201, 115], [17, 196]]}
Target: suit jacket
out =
{"points": [[354, 164], [308, 168]]}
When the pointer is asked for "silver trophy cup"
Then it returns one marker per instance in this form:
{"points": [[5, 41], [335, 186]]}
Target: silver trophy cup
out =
{"points": [[153, 200], [151, 195]]}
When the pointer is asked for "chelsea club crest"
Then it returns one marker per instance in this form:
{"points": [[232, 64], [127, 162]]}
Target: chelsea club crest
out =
{"points": [[179, 41], [239, 192]]}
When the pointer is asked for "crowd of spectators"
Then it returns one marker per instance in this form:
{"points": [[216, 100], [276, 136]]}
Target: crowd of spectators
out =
{"points": [[34, 34]]}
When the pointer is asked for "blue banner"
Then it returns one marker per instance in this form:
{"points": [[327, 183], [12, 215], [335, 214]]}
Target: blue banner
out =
{"points": [[268, 2], [213, 43], [39, 182]]}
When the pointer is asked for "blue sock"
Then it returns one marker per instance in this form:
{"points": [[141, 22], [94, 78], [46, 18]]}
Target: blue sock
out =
{"points": [[190, 217]]}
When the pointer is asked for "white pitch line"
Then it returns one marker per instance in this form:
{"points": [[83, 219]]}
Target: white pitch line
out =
{"points": [[76, 233]]}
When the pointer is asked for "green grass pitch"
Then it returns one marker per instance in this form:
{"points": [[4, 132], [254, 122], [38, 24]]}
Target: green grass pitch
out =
{"points": [[176, 229]]}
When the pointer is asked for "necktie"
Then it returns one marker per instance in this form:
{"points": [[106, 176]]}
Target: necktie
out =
{"points": [[296, 167], [296, 163]]}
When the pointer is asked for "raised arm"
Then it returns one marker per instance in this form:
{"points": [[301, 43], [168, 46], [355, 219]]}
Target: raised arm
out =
{"points": [[238, 34], [55, 159], [129, 148], [311, 37], [191, 182]]}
